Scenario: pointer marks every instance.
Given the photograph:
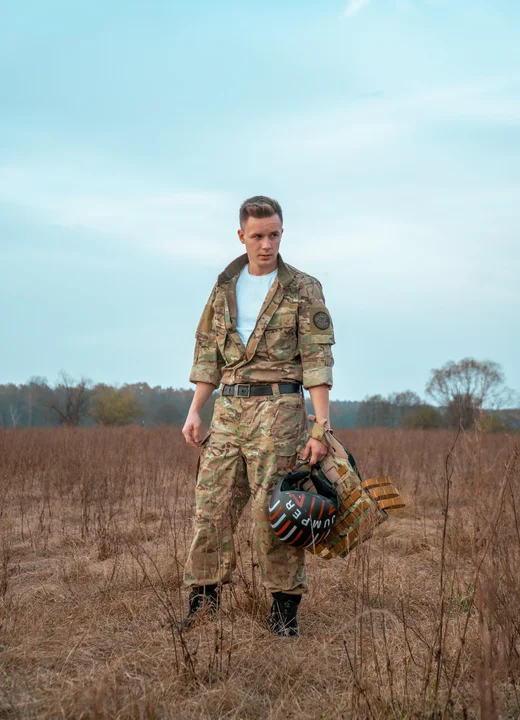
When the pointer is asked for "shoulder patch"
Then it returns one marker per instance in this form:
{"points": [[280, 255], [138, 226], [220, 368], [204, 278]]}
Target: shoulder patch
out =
{"points": [[320, 320]]}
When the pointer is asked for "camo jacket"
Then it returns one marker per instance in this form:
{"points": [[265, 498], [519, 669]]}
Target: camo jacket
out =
{"points": [[291, 341]]}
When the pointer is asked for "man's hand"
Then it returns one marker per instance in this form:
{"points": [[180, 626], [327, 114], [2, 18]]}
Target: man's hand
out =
{"points": [[191, 429], [316, 450]]}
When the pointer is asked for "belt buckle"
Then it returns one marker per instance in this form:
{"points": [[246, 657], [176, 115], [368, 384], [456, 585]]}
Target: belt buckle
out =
{"points": [[242, 391]]}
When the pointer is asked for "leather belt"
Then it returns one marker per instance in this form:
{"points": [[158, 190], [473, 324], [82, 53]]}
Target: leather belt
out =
{"points": [[250, 390]]}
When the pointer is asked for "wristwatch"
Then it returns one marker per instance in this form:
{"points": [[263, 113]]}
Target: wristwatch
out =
{"points": [[319, 429]]}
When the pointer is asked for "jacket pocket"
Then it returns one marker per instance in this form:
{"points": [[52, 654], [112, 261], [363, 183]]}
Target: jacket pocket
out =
{"points": [[281, 336]]}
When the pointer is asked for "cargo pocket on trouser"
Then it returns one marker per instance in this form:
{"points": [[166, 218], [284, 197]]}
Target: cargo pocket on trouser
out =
{"points": [[202, 448], [286, 459], [288, 421]]}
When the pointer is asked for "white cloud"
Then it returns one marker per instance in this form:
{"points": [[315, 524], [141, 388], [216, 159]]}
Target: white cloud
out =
{"points": [[363, 155], [200, 227], [495, 100], [354, 6], [184, 224], [367, 132]]}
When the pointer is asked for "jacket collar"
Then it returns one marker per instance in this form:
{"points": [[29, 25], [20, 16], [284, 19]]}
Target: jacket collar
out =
{"points": [[285, 276]]}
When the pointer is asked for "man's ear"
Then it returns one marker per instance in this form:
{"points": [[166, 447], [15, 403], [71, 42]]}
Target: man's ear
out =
{"points": [[240, 234]]}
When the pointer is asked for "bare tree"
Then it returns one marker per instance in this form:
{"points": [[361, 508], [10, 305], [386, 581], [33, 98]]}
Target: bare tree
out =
{"points": [[406, 398], [15, 414], [374, 411], [466, 387], [377, 411], [70, 399]]}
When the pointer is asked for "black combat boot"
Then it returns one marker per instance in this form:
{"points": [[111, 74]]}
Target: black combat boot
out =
{"points": [[202, 598], [282, 620]]}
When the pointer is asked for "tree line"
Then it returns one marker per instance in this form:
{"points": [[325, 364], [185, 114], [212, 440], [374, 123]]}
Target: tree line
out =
{"points": [[460, 394], [74, 403]]}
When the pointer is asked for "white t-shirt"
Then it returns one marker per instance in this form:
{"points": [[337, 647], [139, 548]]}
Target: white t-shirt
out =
{"points": [[251, 293]]}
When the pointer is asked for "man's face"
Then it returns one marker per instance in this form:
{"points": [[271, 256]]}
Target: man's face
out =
{"points": [[262, 236]]}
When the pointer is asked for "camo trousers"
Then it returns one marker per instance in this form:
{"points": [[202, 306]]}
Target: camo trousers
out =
{"points": [[252, 443]]}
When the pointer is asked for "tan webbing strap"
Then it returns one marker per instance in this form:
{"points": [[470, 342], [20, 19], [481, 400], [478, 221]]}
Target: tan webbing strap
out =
{"points": [[384, 493], [376, 482], [391, 503]]}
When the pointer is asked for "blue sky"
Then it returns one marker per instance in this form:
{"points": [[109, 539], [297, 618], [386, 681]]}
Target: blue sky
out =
{"points": [[130, 132]]}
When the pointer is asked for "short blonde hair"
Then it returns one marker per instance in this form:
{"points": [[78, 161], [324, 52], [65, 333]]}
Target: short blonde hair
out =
{"points": [[259, 206]]}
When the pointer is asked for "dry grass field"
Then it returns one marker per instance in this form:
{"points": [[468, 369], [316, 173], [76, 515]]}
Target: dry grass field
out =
{"points": [[421, 621]]}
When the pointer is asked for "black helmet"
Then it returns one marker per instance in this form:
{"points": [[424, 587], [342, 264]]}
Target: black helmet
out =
{"points": [[301, 518]]}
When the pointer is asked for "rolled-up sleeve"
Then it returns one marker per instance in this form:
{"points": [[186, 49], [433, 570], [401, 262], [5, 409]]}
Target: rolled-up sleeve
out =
{"points": [[207, 360], [315, 335]]}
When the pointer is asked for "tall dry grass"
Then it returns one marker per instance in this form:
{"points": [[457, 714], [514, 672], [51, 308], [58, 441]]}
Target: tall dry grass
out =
{"points": [[421, 621]]}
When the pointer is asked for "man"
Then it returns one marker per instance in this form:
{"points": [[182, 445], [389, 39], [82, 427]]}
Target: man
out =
{"points": [[265, 332]]}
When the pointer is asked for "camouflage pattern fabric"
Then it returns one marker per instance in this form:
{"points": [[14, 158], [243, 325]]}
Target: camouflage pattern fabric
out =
{"points": [[252, 443], [291, 341]]}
